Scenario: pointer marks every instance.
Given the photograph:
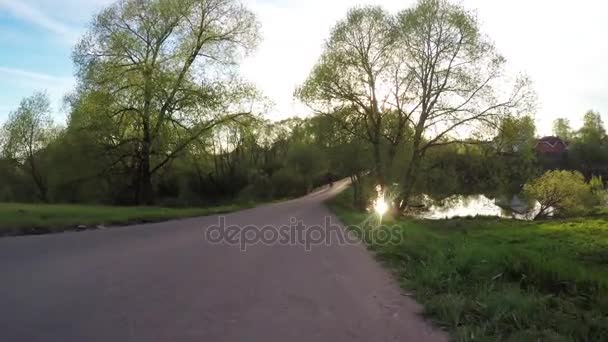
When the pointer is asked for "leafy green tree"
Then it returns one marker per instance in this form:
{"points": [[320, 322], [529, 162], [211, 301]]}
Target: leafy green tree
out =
{"points": [[28, 131], [352, 77], [308, 161], [559, 192], [516, 135], [455, 71], [593, 131], [596, 184], [157, 74], [515, 161], [562, 129], [428, 73], [589, 149]]}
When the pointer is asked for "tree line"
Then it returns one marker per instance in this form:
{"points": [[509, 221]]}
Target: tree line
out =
{"points": [[415, 102], [587, 149]]}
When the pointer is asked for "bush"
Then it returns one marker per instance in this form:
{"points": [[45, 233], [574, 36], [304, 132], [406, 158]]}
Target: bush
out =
{"points": [[288, 183], [597, 189], [562, 193], [260, 188]]}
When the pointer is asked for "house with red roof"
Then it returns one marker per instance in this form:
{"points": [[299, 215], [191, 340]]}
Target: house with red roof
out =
{"points": [[550, 145], [551, 152]]}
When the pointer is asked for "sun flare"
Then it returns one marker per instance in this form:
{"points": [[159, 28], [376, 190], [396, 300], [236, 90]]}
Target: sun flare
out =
{"points": [[380, 206]]}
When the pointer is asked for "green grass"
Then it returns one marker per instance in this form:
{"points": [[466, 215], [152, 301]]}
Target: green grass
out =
{"points": [[21, 219], [487, 279]]}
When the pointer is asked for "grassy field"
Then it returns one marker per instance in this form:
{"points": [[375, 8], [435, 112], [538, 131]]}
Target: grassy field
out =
{"points": [[21, 219], [487, 279]]}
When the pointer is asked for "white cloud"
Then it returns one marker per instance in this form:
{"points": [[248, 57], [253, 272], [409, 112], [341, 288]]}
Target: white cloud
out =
{"points": [[24, 83], [34, 76], [33, 15]]}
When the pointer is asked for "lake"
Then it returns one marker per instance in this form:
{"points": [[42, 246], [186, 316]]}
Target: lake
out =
{"points": [[474, 205]]}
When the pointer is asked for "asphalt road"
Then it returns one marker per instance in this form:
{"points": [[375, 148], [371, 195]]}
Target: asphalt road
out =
{"points": [[171, 282]]}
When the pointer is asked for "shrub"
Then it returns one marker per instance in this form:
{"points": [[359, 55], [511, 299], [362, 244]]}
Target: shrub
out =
{"points": [[559, 192], [288, 183], [260, 188], [597, 189]]}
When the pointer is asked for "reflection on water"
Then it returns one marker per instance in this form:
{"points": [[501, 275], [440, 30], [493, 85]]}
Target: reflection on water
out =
{"points": [[475, 205]]}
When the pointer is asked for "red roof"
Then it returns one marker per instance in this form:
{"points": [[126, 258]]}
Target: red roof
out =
{"points": [[550, 145]]}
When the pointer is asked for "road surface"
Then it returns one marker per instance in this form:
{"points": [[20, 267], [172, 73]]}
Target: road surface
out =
{"points": [[173, 282]]}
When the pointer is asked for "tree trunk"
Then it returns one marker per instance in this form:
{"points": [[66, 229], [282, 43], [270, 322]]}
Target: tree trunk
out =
{"points": [[409, 180], [147, 191], [379, 167], [412, 168], [144, 192], [146, 195], [42, 190], [357, 191], [542, 213]]}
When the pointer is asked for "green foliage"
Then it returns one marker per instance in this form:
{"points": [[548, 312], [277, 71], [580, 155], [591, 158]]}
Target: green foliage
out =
{"points": [[563, 193], [589, 150], [593, 131], [247, 160], [598, 190], [159, 114], [346, 84], [458, 169], [287, 182], [260, 187], [517, 135], [498, 168], [562, 129], [308, 162], [501, 280], [28, 129], [412, 78], [16, 184], [155, 76], [27, 132], [515, 163]]}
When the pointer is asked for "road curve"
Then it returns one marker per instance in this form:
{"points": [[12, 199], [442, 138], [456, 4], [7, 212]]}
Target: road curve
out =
{"points": [[169, 282]]}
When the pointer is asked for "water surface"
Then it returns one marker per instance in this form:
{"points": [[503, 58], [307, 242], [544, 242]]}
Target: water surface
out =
{"points": [[475, 205]]}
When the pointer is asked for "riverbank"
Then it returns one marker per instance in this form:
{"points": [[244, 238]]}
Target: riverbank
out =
{"points": [[29, 219], [490, 279]]}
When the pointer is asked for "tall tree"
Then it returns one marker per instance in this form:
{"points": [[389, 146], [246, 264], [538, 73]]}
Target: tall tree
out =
{"points": [[458, 76], [420, 77], [593, 131], [351, 79], [516, 135], [28, 130], [157, 74], [562, 129], [589, 151], [515, 162]]}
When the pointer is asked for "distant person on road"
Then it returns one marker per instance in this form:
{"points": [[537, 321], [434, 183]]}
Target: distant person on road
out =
{"points": [[330, 179]]}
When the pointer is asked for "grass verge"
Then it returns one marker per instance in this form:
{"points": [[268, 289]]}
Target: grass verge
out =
{"points": [[487, 279], [27, 219]]}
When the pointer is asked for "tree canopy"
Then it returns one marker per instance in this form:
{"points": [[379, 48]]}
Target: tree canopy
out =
{"points": [[155, 75], [27, 132], [429, 67]]}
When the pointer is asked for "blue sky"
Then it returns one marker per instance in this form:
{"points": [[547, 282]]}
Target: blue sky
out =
{"points": [[560, 44], [36, 40]]}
